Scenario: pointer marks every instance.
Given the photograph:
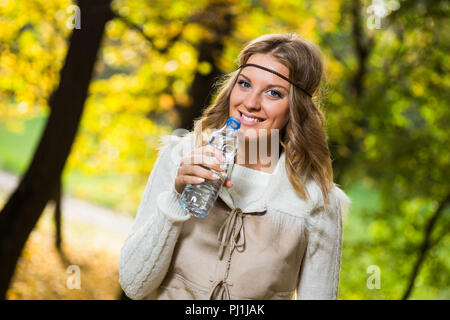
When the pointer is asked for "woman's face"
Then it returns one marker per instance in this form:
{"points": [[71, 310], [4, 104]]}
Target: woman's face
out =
{"points": [[261, 96]]}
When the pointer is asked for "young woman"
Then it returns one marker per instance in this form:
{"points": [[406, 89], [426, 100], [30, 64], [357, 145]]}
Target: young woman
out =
{"points": [[275, 231]]}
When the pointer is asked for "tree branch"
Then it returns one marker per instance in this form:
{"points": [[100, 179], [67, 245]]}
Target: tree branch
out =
{"points": [[426, 245]]}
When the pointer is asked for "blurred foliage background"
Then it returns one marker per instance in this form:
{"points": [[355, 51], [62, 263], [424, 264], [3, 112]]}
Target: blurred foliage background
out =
{"points": [[385, 96]]}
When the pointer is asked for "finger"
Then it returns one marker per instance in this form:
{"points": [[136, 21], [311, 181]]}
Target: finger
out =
{"points": [[199, 157], [192, 180], [203, 159], [201, 172], [228, 183], [210, 150], [217, 159], [212, 163]]}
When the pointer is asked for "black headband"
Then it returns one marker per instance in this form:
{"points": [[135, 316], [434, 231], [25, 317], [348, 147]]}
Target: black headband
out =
{"points": [[274, 72]]}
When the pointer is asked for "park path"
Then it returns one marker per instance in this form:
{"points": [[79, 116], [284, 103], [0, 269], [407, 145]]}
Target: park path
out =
{"points": [[78, 210]]}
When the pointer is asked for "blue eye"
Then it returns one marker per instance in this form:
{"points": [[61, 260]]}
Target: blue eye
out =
{"points": [[272, 93], [241, 82], [277, 94]]}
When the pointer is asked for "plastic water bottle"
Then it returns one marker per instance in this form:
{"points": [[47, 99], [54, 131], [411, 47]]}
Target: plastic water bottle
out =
{"points": [[197, 199]]}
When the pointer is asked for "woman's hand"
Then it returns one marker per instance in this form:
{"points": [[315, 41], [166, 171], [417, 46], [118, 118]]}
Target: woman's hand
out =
{"points": [[193, 168]]}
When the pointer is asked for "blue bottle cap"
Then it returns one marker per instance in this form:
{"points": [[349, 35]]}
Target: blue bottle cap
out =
{"points": [[234, 123]]}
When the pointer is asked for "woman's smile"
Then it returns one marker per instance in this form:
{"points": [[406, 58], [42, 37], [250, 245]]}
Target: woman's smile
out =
{"points": [[260, 99], [249, 119]]}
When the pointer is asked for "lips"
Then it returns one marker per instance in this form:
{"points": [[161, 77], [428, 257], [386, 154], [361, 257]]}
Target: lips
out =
{"points": [[251, 116]]}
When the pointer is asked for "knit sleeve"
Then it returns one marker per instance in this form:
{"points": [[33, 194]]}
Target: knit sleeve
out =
{"points": [[320, 269], [147, 251]]}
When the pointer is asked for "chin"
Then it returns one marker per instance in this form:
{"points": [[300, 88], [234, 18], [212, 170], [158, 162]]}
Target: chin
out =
{"points": [[250, 133]]}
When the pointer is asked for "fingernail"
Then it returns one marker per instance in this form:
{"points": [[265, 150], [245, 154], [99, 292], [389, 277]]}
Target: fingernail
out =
{"points": [[215, 176], [200, 179]]}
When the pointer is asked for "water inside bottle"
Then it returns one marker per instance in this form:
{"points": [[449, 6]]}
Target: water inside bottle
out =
{"points": [[201, 197], [197, 199]]}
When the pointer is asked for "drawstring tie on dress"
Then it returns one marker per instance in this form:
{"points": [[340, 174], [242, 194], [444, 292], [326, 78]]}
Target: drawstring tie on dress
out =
{"points": [[231, 232], [219, 290], [232, 229]]}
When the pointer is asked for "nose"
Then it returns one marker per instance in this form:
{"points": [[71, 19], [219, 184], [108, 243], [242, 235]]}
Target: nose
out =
{"points": [[252, 101]]}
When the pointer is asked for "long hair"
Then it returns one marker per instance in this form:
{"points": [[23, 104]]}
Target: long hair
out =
{"points": [[304, 138]]}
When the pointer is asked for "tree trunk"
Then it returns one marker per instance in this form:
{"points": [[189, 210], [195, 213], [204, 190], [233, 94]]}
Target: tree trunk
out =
{"points": [[58, 216], [363, 46], [25, 205], [219, 20]]}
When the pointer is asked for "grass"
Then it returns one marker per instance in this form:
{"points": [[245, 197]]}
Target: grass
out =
{"points": [[17, 149]]}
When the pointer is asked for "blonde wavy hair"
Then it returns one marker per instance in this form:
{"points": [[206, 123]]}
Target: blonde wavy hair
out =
{"points": [[304, 138]]}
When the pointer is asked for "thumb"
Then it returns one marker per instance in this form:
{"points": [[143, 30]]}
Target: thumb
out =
{"points": [[228, 183]]}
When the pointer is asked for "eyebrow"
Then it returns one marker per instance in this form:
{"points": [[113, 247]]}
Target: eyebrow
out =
{"points": [[269, 86]]}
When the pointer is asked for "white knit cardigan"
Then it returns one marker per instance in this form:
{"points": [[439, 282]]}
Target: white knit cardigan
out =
{"points": [[146, 254]]}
